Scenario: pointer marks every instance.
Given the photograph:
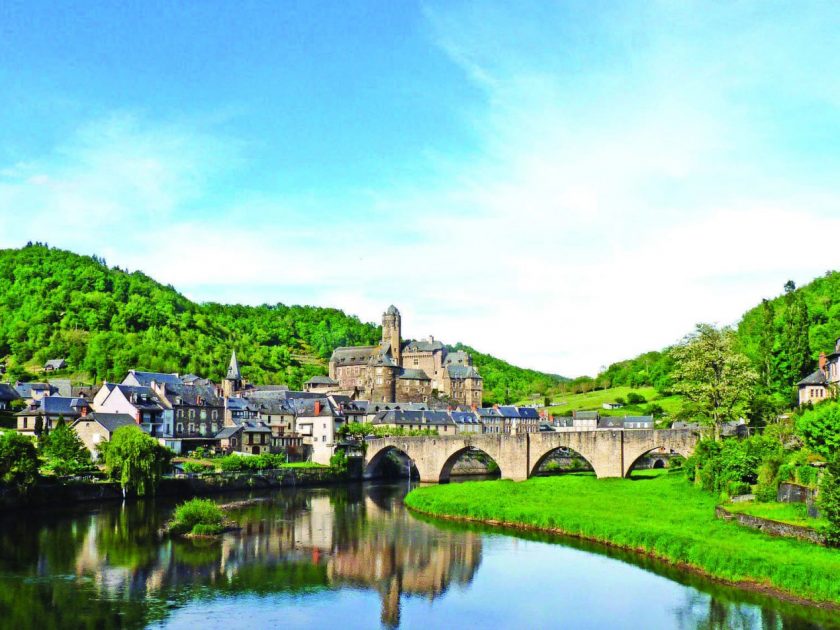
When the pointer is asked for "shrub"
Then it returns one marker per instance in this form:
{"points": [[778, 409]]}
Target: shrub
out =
{"points": [[18, 460], [820, 428], [196, 467], [196, 512], [339, 461], [620, 400], [634, 398], [232, 463], [64, 451], [830, 500]]}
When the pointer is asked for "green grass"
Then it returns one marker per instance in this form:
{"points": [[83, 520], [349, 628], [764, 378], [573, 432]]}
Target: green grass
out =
{"points": [[790, 513], [658, 513], [302, 465], [592, 401], [197, 516]]}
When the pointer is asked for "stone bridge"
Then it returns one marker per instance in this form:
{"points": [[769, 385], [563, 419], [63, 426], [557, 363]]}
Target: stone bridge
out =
{"points": [[611, 453]]}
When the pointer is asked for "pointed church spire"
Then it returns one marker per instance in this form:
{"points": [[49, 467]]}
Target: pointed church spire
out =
{"points": [[233, 369]]}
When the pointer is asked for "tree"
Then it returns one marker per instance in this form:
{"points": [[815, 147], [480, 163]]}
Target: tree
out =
{"points": [[766, 343], [135, 459], [18, 460], [796, 350], [830, 500], [820, 428], [64, 450], [39, 426], [713, 375]]}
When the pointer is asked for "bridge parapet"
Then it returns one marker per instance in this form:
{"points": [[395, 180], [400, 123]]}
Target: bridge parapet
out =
{"points": [[611, 453]]}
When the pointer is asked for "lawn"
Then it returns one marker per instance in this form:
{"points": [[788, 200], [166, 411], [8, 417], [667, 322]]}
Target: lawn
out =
{"points": [[655, 512], [790, 513], [593, 401]]}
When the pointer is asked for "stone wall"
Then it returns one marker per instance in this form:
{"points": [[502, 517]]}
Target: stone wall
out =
{"points": [[774, 528]]}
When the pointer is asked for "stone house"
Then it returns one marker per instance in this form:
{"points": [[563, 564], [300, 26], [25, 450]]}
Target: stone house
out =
{"points": [[409, 420], [823, 383], [492, 421], [95, 428], [278, 415], [33, 392], [466, 421], [317, 422], [321, 385], [55, 364], [585, 420], [50, 409], [463, 384], [638, 422], [528, 421], [413, 386]]}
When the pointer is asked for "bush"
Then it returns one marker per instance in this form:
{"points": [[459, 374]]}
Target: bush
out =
{"points": [[635, 399], [64, 451], [339, 461], [820, 428], [830, 500], [196, 512], [232, 463], [197, 467], [18, 461]]}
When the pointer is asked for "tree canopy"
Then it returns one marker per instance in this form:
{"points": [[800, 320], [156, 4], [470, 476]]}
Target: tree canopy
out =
{"points": [[18, 460], [135, 459], [105, 321]]}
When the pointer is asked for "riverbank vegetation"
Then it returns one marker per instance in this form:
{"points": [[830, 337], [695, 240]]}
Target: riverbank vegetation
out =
{"points": [[199, 517], [135, 459], [657, 513]]}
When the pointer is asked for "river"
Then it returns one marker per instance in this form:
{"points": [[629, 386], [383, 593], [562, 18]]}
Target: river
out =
{"points": [[345, 557]]}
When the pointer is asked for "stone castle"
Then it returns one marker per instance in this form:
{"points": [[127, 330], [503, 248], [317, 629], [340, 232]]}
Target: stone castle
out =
{"points": [[406, 371]]}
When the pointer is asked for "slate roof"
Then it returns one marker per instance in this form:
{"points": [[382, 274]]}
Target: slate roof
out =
{"points": [[422, 346], [233, 373], [648, 419], [25, 390], [58, 406], [392, 310], [62, 386], [193, 395], [110, 421], [321, 380], [462, 371], [529, 413], [145, 378], [414, 375], [509, 412], [459, 357], [586, 415], [55, 364], [816, 378], [488, 412], [228, 432], [306, 406], [353, 355], [143, 398], [464, 417], [8, 393], [407, 416]]}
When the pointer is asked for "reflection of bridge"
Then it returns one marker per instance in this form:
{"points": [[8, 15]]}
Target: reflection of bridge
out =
{"points": [[610, 453]]}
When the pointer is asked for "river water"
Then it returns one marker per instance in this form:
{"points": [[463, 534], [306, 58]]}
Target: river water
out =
{"points": [[345, 557]]}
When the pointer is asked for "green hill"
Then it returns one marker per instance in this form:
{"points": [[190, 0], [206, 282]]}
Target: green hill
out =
{"points": [[105, 321], [783, 337]]}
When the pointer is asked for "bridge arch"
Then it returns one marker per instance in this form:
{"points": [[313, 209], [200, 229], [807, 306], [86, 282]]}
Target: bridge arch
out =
{"points": [[374, 462], [600, 449], [539, 462], [637, 444], [452, 459]]}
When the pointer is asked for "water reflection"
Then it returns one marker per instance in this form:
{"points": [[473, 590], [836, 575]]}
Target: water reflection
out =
{"points": [[109, 567]]}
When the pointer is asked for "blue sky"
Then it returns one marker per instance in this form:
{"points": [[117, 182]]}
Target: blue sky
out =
{"points": [[562, 184]]}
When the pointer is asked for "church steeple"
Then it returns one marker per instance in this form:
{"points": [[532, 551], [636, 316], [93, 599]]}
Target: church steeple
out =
{"points": [[233, 369], [233, 380]]}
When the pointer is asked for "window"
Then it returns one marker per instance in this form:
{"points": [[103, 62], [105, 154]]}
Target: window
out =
{"points": [[180, 427], [215, 414], [180, 413], [192, 413], [192, 427], [323, 438]]}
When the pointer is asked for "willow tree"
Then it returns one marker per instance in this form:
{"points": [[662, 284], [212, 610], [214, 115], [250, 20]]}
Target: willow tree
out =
{"points": [[135, 459], [711, 373]]}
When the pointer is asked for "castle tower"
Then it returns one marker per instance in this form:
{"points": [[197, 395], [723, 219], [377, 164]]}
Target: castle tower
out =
{"points": [[392, 332], [233, 379]]}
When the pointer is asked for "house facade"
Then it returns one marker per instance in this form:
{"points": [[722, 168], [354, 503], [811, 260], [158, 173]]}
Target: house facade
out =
{"points": [[96, 428], [824, 382]]}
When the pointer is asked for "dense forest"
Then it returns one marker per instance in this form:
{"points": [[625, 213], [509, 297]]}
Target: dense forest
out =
{"points": [[105, 321], [782, 337]]}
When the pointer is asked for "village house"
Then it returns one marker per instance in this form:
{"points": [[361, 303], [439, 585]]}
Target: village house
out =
{"points": [[638, 422], [317, 421], [49, 409], [492, 421], [55, 364], [527, 422], [95, 428], [321, 385], [466, 421], [409, 420], [33, 392], [822, 383], [141, 403]]}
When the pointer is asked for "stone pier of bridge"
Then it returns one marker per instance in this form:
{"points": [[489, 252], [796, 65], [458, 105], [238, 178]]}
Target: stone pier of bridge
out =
{"points": [[611, 453]]}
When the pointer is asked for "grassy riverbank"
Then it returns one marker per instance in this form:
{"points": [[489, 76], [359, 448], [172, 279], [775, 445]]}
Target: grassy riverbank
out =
{"points": [[656, 513]]}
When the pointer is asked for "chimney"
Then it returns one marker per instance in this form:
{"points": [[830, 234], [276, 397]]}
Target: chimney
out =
{"points": [[317, 407], [84, 411], [137, 417], [823, 361], [474, 406]]}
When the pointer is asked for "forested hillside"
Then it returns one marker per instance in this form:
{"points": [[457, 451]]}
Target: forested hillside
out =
{"points": [[782, 337], [505, 383], [105, 321]]}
